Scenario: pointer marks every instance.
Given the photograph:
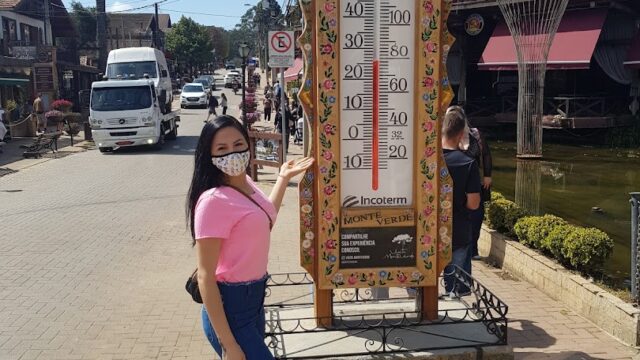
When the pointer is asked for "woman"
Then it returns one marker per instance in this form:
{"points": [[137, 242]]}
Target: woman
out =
{"points": [[223, 103], [475, 146], [230, 220]]}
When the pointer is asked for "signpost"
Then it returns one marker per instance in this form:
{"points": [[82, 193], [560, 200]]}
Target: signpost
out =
{"points": [[376, 210], [281, 55]]}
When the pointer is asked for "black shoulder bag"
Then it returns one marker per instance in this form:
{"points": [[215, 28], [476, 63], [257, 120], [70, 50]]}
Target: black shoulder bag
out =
{"points": [[192, 282]]}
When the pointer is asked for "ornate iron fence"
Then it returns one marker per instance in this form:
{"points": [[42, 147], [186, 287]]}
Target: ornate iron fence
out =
{"points": [[380, 331]]}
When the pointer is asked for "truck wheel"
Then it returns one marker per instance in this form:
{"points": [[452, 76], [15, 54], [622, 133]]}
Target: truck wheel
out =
{"points": [[173, 134], [158, 145], [105, 149]]}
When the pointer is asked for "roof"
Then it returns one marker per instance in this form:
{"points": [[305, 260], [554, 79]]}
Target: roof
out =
{"points": [[136, 22], [61, 23]]}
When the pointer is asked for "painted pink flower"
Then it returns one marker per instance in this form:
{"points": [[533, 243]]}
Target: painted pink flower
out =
{"points": [[330, 244], [428, 126], [427, 240], [327, 155], [329, 130], [353, 279], [427, 211], [401, 277], [428, 82], [429, 151], [442, 246], [329, 7], [326, 49], [328, 215], [308, 223], [430, 46], [444, 218], [311, 252], [328, 84], [427, 186], [428, 7], [329, 190]]}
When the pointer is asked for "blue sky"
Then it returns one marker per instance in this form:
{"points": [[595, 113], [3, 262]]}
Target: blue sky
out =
{"points": [[223, 13]]}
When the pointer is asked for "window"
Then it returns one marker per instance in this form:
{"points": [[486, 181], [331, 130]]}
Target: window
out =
{"points": [[9, 29], [121, 98], [192, 88], [132, 70]]}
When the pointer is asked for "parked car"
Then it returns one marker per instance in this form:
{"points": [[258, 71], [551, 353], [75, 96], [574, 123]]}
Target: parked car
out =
{"points": [[205, 84], [231, 75], [208, 78], [230, 65], [193, 94]]}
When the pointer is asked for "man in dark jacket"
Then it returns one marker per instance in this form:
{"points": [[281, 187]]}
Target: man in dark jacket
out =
{"points": [[466, 198]]}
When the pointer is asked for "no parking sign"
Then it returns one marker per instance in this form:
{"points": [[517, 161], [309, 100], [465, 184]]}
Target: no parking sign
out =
{"points": [[281, 49]]}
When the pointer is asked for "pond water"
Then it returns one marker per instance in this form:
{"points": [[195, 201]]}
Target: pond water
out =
{"points": [[585, 185]]}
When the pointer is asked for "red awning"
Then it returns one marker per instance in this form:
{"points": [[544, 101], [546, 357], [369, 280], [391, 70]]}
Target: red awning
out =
{"points": [[572, 47], [633, 57], [292, 72]]}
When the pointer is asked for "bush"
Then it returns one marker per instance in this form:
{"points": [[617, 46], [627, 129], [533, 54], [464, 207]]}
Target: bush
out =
{"points": [[503, 215], [496, 196], [553, 243], [586, 249], [533, 230]]}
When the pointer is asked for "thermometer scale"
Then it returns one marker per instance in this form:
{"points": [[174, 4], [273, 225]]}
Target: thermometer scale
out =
{"points": [[376, 114]]}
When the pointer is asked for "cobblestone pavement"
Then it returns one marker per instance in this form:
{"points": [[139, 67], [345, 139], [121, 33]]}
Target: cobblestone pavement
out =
{"points": [[94, 253]]}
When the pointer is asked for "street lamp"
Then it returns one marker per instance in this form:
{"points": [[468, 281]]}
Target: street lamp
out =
{"points": [[243, 50]]}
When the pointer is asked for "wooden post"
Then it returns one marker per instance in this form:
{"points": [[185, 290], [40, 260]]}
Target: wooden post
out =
{"points": [[323, 303], [429, 303]]}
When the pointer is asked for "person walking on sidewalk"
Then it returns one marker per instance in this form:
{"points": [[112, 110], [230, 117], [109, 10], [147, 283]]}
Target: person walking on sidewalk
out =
{"points": [[213, 104], [475, 146], [230, 220], [38, 109], [223, 103], [466, 198], [267, 109]]}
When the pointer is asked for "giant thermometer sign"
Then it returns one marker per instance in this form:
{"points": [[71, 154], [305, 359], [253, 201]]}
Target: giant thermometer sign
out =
{"points": [[376, 209]]}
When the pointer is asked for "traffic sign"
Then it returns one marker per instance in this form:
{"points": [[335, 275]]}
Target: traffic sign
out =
{"points": [[281, 49]]}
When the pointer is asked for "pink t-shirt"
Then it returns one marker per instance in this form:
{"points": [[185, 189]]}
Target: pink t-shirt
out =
{"points": [[226, 214]]}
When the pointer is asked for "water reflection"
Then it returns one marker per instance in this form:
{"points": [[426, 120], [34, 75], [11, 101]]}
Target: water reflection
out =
{"points": [[586, 186]]}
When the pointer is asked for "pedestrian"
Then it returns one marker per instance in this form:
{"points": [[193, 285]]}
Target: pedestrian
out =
{"points": [[475, 146], [267, 109], [278, 125], [230, 220], [213, 104], [466, 198], [38, 108], [223, 103], [267, 88], [3, 130]]}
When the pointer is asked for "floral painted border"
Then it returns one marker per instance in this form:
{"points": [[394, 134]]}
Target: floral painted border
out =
{"points": [[434, 183], [305, 188]]}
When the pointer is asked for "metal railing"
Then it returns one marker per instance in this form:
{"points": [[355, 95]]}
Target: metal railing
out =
{"points": [[635, 253]]}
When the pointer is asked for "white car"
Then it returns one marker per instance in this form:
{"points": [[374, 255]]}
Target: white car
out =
{"points": [[193, 94], [231, 75]]}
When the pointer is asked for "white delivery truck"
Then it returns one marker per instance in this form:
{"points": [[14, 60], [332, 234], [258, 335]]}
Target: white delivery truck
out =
{"points": [[140, 62], [129, 113]]}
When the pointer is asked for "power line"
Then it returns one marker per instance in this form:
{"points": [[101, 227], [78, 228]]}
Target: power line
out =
{"points": [[199, 13]]}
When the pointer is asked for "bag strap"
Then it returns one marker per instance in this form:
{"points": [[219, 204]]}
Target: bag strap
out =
{"points": [[255, 202]]}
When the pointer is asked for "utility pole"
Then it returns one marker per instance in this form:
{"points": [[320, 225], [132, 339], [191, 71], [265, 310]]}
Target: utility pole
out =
{"points": [[155, 28], [47, 23], [101, 33]]}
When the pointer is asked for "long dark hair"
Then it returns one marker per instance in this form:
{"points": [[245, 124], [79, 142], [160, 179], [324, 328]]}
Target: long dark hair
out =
{"points": [[205, 175]]}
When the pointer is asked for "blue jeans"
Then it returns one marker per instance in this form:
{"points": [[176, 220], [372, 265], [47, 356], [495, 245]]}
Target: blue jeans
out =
{"points": [[244, 307], [462, 258], [476, 216]]}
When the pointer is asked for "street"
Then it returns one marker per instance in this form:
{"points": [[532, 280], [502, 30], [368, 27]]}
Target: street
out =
{"points": [[95, 253]]}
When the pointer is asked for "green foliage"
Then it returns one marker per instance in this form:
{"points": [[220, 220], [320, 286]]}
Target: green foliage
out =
{"points": [[626, 136], [190, 43], [496, 195], [84, 20], [586, 249], [554, 242], [533, 230], [503, 215]]}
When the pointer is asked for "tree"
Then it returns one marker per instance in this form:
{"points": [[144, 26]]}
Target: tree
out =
{"points": [[190, 43], [84, 19], [219, 40], [254, 27]]}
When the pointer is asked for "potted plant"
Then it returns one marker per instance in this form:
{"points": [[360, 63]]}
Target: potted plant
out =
{"points": [[62, 105], [54, 116]]}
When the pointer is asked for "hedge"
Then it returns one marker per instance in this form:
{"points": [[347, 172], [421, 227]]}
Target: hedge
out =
{"points": [[503, 215], [584, 249]]}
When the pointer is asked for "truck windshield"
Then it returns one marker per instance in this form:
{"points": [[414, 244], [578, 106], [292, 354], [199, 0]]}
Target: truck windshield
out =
{"points": [[129, 70], [121, 98]]}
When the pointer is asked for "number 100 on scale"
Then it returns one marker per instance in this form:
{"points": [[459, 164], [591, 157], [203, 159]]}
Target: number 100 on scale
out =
{"points": [[377, 102]]}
